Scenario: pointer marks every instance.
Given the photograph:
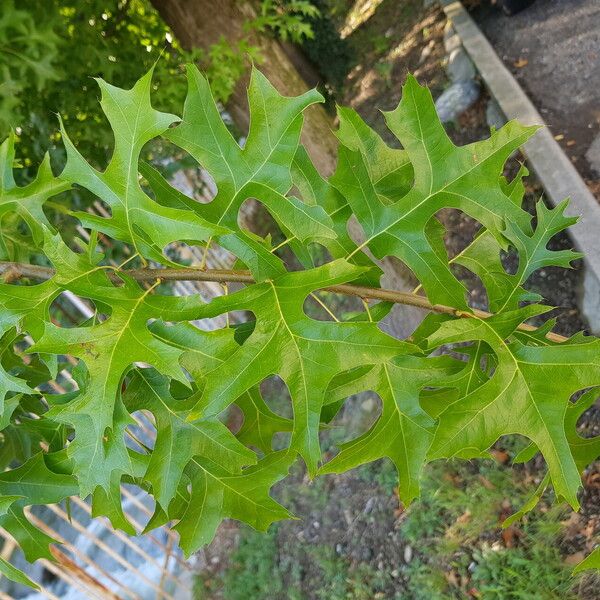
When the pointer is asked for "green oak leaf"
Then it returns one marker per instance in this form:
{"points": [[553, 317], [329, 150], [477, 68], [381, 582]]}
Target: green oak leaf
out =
{"points": [[9, 383], [108, 349], [591, 561], [318, 191], [445, 175], [403, 431], [528, 393], [306, 353], [506, 290], [25, 201], [32, 483], [16, 575], [135, 218], [300, 222], [178, 441], [204, 351], [261, 169], [24, 307], [260, 422], [390, 170], [585, 450], [217, 494]]}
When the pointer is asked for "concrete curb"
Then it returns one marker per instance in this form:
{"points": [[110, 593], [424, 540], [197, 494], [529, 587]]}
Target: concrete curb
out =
{"points": [[552, 167]]}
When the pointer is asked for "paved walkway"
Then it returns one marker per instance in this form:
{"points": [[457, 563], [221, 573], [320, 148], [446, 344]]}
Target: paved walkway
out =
{"points": [[553, 48]]}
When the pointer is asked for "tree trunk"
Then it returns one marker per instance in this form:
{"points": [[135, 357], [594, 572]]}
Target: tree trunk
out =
{"points": [[200, 23]]}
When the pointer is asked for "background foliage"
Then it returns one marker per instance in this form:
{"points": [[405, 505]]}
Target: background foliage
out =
{"points": [[47, 64]]}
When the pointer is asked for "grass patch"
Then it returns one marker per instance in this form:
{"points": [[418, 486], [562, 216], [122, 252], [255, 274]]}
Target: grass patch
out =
{"points": [[457, 547]]}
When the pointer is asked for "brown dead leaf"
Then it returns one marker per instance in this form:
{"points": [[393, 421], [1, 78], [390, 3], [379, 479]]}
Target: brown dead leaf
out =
{"points": [[572, 525], [500, 455], [589, 529], [520, 63], [574, 559], [399, 511], [593, 480], [510, 536], [453, 578], [465, 517], [571, 143], [594, 185], [452, 478]]}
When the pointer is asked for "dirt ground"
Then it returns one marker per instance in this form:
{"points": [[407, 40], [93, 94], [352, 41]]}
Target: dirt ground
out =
{"points": [[352, 527], [553, 49]]}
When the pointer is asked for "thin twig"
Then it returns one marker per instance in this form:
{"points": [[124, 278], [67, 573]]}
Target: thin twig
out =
{"points": [[12, 271]]}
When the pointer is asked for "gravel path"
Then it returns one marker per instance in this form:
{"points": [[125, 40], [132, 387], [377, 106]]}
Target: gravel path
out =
{"points": [[553, 49]]}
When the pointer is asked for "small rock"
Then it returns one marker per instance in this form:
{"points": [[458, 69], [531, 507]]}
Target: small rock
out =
{"points": [[460, 67], [369, 505], [494, 115], [426, 52], [348, 517], [449, 32], [408, 554], [593, 154], [364, 553], [452, 43], [456, 99], [451, 39]]}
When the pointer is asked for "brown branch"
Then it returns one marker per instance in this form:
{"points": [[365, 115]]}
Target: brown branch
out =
{"points": [[12, 271]]}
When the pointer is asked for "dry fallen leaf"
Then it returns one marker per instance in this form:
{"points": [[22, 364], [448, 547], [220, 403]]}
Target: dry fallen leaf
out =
{"points": [[521, 63], [510, 536], [500, 455], [571, 525], [453, 578], [592, 480], [574, 559], [465, 517], [571, 143], [559, 137], [589, 529]]}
